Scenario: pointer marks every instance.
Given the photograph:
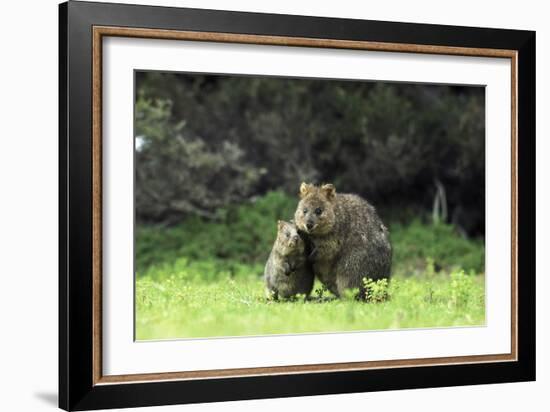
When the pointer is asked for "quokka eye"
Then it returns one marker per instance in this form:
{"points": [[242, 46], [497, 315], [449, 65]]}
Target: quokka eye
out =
{"points": [[318, 211], [287, 234], [305, 211]]}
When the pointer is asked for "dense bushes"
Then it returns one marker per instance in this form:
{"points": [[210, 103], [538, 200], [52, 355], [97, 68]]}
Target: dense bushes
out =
{"points": [[243, 235], [419, 246], [179, 174], [205, 142]]}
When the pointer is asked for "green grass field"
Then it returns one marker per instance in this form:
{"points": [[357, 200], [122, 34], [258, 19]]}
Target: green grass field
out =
{"points": [[204, 279]]}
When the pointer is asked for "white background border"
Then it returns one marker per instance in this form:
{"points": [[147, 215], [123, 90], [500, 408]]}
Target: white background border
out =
{"points": [[30, 318], [121, 355]]}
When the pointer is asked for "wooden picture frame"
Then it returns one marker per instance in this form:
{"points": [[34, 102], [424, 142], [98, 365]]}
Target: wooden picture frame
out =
{"points": [[82, 384]]}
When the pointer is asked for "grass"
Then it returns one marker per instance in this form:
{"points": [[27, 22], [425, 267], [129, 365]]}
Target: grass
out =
{"points": [[204, 279], [181, 305]]}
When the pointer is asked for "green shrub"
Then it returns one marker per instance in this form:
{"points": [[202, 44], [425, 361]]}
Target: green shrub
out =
{"points": [[419, 247], [244, 234], [462, 286], [376, 290]]}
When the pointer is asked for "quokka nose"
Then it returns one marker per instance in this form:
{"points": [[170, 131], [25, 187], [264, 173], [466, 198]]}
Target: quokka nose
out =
{"points": [[309, 224]]}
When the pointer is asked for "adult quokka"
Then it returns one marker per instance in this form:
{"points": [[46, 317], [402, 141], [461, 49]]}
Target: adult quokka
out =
{"points": [[288, 271], [349, 240]]}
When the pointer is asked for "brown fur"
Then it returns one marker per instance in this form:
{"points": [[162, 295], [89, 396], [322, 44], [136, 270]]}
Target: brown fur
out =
{"points": [[287, 271], [349, 240]]}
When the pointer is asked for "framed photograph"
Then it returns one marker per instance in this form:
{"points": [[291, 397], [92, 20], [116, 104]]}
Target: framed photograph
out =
{"points": [[256, 205]]}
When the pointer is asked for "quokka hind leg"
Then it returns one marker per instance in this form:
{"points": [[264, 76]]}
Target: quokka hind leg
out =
{"points": [[271, 294], [349, 287], [349, 277]]}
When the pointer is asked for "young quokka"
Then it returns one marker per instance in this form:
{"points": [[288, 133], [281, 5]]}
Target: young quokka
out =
{"points": [[287, 271]]}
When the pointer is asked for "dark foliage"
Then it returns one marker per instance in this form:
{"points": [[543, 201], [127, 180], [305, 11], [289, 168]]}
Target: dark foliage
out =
{"points": [[206, 141]]}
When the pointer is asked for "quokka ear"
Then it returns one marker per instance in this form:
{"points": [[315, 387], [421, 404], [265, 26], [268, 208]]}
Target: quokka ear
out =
{"points": [[305, 189], [280, 224], [329, 191]]}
